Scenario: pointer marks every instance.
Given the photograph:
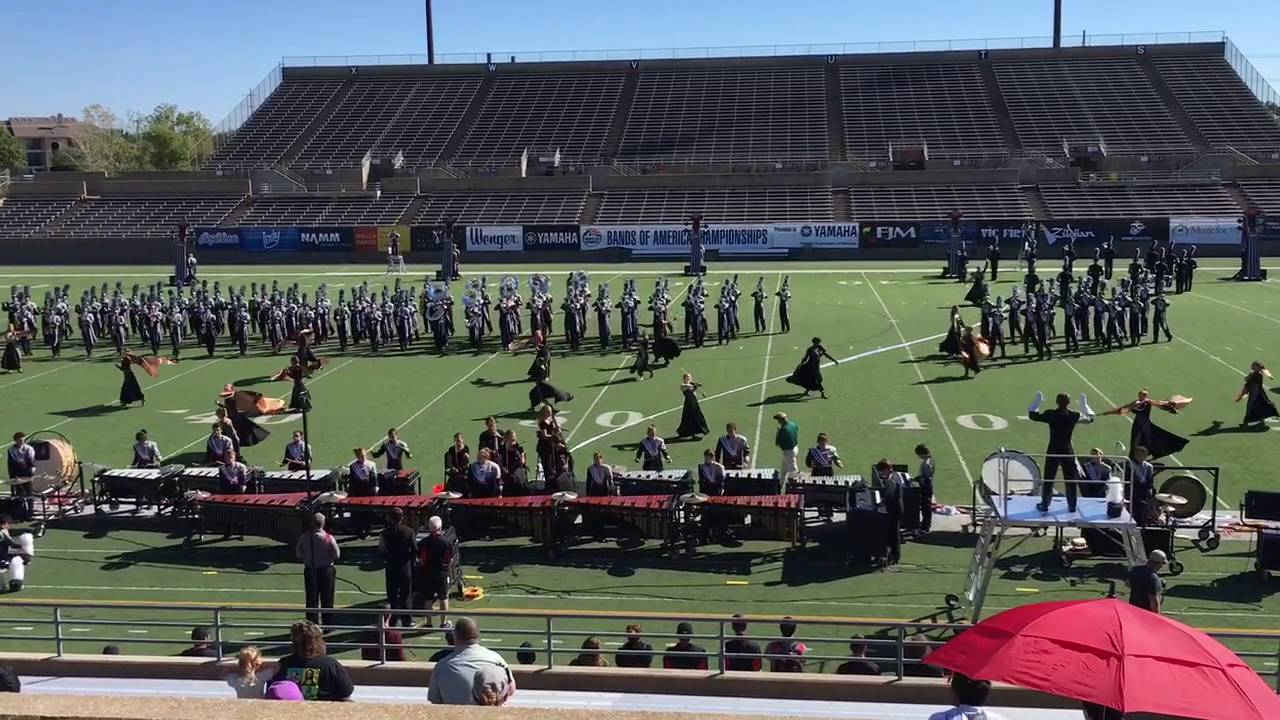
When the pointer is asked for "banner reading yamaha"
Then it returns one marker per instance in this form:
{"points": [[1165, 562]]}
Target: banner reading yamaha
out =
{"points": [[327, 239], [1204, 231], [818, 234], [1095, 231], [674, 239], [542, 238], [269, 239], [212, 238], [495, 238]]}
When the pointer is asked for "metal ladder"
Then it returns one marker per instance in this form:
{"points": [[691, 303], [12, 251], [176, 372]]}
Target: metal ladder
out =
{"points": [[982, 565]]}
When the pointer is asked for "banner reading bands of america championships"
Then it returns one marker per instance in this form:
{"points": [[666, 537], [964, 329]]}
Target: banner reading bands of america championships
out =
{"points": [[725, 239]]}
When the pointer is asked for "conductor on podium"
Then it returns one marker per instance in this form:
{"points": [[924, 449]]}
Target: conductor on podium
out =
{"points": [[1059, 454]]}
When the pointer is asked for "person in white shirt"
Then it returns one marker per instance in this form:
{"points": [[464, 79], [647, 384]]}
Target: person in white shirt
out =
{"points": [[146, 454], [296, 454], [484, 477], [453, 681], [969, 696], [653, 450], [395, 449]]}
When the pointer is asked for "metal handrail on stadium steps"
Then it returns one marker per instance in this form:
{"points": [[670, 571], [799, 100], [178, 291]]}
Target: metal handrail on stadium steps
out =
{"points": [[745, 51], [894, 640]]}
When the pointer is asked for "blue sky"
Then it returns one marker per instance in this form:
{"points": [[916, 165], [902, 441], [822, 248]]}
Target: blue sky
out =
{"points": [[133, 54]]}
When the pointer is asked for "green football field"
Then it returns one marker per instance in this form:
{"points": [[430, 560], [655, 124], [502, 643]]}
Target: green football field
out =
{"points": [[883, 321]]}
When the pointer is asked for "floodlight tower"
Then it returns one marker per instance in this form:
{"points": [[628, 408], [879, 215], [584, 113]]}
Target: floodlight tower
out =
{"points": [[431, 37]]}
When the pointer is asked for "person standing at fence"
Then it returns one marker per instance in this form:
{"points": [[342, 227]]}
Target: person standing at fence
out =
{"points": [[398, 548], [318, 552]]}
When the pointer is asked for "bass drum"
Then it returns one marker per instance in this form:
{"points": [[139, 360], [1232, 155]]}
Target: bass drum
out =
{"points": [[1020, 471], [55, 468]]}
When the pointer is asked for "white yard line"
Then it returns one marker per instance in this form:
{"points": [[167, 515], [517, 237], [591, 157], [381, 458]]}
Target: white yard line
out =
{"points": [[946, 428], [1109, 402], [1211, 356], [1268, 318], [768, 352], [592, 406], [437, 398], [25, 377], [731, 391]]}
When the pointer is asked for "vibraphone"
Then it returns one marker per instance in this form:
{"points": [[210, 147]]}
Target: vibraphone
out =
{"points": [[532, 514], [417, 508], [289, 481], [824, 493], [279, 516], [751, 482], [651, 517], [399, 482], [772, 517], [654, 482], [139, 486]]}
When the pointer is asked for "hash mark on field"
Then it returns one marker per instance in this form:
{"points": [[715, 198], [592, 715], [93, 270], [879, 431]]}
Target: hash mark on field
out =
{"points": [[764, 377], [137, 632], [1209, 355], [928, 390], [23, 628]]}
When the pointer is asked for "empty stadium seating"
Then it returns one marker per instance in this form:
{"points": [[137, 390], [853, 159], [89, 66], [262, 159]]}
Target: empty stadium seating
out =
{"points": [[20, 217], [327, 210], [716, 205], [541, 112], [909, 202], [1073, 201], [142, 217], [1219, 104], [275, 125], [503, 208], [1087, 100], [724, 115], [413, 115], [943, 106], [1265, 194]]}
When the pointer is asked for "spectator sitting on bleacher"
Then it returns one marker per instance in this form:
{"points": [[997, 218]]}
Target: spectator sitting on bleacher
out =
{"points": [[111, 650], [916, 649], [692, 657], [447, 650], [492, 686], [590, 655], [249, 680], [525, 655], [786, 646], [200, 646], [391, 639], [969, 696], [635, 652], [858, 664], [318, 676], [9, 680], [739, 645], [454, 679]]}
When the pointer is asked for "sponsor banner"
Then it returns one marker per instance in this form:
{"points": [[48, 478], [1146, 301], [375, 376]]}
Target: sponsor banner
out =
{"points": [[213, 238], [674, 239], [327, 239], [1095, 231], [819, 234], [384, 237], [1204, 231], [1267, 230], [269, 239], [425, 238], [494, 238], [890, 234], [366, 239], [551, 237], [978, 233]]}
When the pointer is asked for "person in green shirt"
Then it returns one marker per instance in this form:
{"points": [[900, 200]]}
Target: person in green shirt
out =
{"points": [[787, 439]]}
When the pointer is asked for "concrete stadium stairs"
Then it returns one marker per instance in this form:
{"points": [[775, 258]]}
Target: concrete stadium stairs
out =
{"points": [[1176, 110]]}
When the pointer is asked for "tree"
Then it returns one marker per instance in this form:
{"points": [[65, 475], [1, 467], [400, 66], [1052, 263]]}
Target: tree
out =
{"points": [[11, 153], [101, 145], [170, 139]]}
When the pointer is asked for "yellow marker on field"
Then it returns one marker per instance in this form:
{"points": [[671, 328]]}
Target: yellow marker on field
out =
{"points": [[472, 577], [1028, 590], [736, 582], [209, 572]]}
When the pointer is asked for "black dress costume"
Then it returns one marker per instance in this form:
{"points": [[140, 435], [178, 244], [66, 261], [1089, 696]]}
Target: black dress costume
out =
{"points": [[692, 421], [130, 390], [808, 374], [978, 291], [1258, 405], [1158, 441], [543, 391], [248, 432], [540, 368], [641, 365], [12, 359], [950, 345], [665, 348], [300, 397]]}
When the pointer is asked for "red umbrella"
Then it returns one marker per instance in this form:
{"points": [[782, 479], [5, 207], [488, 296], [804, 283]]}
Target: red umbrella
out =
{"points": [[1113, 654]]}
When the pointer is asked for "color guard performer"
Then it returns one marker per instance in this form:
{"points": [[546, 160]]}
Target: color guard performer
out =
{"points": [[1158, 441], [1259, 406], [808, 374], [692, 422]]}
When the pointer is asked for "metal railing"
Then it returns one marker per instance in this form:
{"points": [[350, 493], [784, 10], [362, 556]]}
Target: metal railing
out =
{"points": [[1252, 79], [746, 51], [4, 180], [897, 647]]}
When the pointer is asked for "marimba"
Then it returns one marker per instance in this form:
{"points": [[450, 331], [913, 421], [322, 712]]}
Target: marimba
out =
{"points": [[776, 517], [752, 482], [651, 517], [140, 486], [654, 482], [823, 492], [417, 508], [532, 514], [279, 516]]}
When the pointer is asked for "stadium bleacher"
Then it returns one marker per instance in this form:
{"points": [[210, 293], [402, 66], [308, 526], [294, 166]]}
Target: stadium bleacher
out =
{"points": [[1222, 108], [1076, 201], [322, 210], [142, 217], [551, 207], [910, 202], [716, 205], [276, 125], [1265, 194], [20, 217]]}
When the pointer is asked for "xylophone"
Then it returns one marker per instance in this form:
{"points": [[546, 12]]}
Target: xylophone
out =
{"points": [[279, 516], [777, 517], [654, 482], [752, 482], [417, 508], [139, 486], [533, 514], [288, 481], [823, 493], [651, 517]]}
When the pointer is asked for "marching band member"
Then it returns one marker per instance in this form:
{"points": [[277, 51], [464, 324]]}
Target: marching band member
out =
{"points": [[490, 437], [297, 454], [218, 447], [17, 555], [731, 449], [12, 358], [362, 475], [652, 450], [146, 454], [600, 477], [456, 460], [822, 459], [233, 475], [515, 469], [484, 477], [395, 449]]}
